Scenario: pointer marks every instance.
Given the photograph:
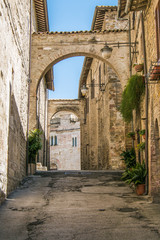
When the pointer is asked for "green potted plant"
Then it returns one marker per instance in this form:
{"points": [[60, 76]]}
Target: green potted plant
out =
{"points": [[142, 133], [131, 135], [138, 67], [34, 144], [136, 176], [141, 146]]}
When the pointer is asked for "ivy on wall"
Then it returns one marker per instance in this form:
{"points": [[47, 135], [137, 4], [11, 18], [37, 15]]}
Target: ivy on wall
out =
{"points": [[132, 96]]}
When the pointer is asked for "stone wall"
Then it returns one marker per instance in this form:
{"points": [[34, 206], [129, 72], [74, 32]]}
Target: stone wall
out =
{"points": [[154, 93], [104, 130], [65, 149], [42, 106], [14, 51]]}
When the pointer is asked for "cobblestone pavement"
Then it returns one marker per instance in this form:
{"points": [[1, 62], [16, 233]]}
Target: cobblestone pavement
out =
{"points": [[78, 205]]}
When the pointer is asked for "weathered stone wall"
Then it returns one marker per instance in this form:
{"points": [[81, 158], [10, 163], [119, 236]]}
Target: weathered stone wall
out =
{"points": [[14, 51], [14, 70], [104, 130], [42, 99], [154, 93], [65, 152]]}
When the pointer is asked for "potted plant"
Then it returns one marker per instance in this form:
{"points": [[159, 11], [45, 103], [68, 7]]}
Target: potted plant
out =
{"points": [[131, 135], [142, 133], [136, 176], [141, 146], [35, 144], [138, 67]]}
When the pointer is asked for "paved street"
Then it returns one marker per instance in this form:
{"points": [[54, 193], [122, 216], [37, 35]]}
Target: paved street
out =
{"points": [[76, 206]]}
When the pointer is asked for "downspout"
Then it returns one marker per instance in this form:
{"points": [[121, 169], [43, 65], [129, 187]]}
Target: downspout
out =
{"points": [[130, 66], [146, 100], [29, 81]]}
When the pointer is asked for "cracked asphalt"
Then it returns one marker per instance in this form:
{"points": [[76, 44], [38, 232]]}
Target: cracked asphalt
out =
{"points": [[78, 205]]}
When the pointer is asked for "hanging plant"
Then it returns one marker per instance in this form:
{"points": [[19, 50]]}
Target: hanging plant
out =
{"points": [[142, 133], [131, 135], [131, 96], [141, 146], [138, 67]]}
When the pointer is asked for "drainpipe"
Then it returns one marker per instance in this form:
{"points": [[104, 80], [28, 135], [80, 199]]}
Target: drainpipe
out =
{"points": [[146, 100], [130, 66], [29, 81]]}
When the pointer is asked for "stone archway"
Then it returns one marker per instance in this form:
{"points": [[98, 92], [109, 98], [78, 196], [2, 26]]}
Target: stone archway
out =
{"points": [[50, 48]]}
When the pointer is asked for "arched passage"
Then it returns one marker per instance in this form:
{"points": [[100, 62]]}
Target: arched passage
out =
{"points": [[50, 48]]}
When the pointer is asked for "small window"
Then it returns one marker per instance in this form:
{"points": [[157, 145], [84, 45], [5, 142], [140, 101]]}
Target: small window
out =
{"points": [[51, 141], [74, 142]]}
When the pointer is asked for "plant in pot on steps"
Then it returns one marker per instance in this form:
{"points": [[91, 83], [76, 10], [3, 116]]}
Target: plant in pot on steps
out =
{"points": [[136, 176], [34, 144], [142, 133]]}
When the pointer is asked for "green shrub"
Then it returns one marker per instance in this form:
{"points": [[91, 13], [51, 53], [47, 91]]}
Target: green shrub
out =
{"points": [[34, 144], [131, 96], [136, 175], [129, 158]]}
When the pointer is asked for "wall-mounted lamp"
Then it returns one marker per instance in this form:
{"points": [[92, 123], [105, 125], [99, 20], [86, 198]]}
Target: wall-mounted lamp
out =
{"points": [[106, 51], [84, 88]]}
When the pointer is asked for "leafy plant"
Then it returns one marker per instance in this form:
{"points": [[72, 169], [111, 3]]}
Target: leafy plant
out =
{"points": [[34, 144], [131, 134], [141, 146], [136, 175], [142, 132], [129, 158], [131, 96]]}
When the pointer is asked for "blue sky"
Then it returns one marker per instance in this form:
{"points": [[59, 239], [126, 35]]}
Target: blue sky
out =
{"points": [[71, 15]]}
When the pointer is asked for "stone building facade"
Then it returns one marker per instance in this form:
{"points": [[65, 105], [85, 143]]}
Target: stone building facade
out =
{"points": [[103, 132], [65, 118], [65, 141], [15, 18], [144, 19]]}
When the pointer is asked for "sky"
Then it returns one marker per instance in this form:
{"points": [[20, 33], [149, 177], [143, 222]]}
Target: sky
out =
{"points": [[71, 15]]}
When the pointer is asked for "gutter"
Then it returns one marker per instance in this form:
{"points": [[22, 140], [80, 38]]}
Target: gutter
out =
{"points": [[146, 101]]}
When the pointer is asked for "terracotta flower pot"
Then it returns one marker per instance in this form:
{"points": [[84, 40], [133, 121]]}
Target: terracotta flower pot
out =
{"points": [[140, 189], [139, 67]]}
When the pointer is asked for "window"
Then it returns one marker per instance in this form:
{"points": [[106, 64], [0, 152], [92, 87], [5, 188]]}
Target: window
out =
{"points": [[74, 142], [53, 141], [100, 76], [157, 13], [92, 89]]}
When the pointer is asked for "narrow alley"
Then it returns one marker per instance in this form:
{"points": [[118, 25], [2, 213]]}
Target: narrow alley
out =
{"points": [[76, 205]]}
